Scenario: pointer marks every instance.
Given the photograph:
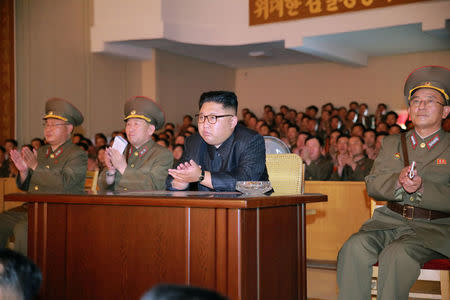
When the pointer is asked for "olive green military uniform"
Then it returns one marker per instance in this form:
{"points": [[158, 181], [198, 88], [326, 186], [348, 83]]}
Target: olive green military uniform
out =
{"points": [[62, 171], [401, 244], [146, 169], [319, 169], [362, 169]]}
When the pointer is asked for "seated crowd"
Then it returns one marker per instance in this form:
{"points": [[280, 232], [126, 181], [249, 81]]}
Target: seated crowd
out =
{"points": [[337, 144]]}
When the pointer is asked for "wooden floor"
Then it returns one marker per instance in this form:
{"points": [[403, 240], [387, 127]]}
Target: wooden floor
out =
{"points": [[322, 285]]}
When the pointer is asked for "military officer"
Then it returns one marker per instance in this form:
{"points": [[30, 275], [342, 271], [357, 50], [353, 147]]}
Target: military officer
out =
{"points": [[145, 163], [58, 167], [414, 226]]}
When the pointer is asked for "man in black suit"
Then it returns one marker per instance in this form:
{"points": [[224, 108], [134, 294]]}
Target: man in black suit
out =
{"points": [[222, 152]]}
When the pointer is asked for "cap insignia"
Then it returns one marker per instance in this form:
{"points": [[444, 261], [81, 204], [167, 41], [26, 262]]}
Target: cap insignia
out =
{"points": [[133, 112], [397, 155], [441, 161], [50, 113], [427, 83]]}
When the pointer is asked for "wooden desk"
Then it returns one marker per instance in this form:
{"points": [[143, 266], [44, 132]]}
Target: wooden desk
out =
{"points": [[119, 246]]}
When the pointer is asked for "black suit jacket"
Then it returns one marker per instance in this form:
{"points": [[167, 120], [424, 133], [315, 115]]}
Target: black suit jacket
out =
{"points": [[242, 158]]}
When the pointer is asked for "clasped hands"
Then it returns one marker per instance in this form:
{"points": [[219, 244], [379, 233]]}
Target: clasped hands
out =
{"points": [[410, 185], [114, 160], [185, 173], [24, 160]]}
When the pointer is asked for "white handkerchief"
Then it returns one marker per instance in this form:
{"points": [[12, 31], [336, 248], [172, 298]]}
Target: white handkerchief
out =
{"points": [[119, 144]]}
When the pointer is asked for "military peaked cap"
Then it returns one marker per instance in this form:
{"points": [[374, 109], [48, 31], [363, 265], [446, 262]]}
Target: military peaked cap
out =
{"points": [[56, 108], [144, 108], [432, 77]]}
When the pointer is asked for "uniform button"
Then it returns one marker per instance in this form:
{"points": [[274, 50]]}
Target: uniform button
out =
{"points": [[52, 155], [411, 199], [422, 145], [132, 165], [36, 188], [47, 166], [135, 154], [125, 189]]}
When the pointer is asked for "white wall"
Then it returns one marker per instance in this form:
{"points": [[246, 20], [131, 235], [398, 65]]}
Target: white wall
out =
{"points": [[181, 80], [54, 60]]}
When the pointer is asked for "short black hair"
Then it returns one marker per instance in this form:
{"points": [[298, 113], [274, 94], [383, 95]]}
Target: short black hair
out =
{"points": [[12, 141], [101, 136], [382, 133], [227, 99], [274, 131], [343, 136], [2, 149], [392, 113], [359, 125], [318, 138], [313, 107], [294, 126], [396, 125], [336, 130], [29, 146], [166, 142], [371, 130], [358, 137], [83, 145], [354, 102], [38, 140], [180, 292], [19, 274]]}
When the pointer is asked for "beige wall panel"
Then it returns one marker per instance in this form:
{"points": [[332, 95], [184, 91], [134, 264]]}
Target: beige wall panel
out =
{"points": [[54, 59], [113, 81], [301, 85], [181, 80], [148, 79]]}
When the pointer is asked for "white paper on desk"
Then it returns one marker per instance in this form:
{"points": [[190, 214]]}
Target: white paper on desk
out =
{"points": [[119, 144]]}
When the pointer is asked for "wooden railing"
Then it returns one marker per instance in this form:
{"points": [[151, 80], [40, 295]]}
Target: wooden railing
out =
{"points": [[348, 207], [8, 186]]}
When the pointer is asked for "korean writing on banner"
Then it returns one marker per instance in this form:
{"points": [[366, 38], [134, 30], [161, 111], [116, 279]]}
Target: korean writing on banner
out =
{"points": [[270, 11]]}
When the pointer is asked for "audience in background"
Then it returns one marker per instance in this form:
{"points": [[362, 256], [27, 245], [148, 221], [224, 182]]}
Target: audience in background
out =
{"points": [[290, 125]]}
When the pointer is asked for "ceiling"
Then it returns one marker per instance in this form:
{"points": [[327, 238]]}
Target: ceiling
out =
{"points": [[371, 43]]}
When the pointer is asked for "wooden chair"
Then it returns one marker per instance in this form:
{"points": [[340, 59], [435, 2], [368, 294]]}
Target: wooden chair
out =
{"points": [[90, 184], [433, 270]]}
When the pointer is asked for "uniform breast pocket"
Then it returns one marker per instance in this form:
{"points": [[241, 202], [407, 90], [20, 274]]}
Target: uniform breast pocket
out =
{"points": [[437, 171]]}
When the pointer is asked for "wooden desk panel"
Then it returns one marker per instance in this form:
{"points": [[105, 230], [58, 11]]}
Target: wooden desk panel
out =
{"points": [[121, 246]]}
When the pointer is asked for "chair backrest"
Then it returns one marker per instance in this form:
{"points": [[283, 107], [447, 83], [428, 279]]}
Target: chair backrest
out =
{"points": [[90, 185], [275, 145], [286, 173]]}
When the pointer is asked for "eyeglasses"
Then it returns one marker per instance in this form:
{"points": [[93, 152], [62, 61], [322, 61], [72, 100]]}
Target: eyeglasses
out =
{"points": [[428, 102], [46, 125], [212, 119]]}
